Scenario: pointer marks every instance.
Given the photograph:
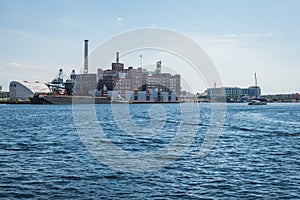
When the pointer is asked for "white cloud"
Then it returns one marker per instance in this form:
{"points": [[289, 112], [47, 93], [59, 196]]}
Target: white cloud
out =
{"points": [[16, 65], [120, 19], [22, 33], [24, 67]]}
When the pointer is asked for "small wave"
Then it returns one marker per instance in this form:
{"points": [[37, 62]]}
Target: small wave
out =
{"points": [[240, 128], [172, 121], [245, 129], [280, 133], [70, 177], [195, 124], [70, 189], [60, 152], [111, 177], [166, 157], [283, 133]]}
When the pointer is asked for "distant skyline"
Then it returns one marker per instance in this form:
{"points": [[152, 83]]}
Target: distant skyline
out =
{"points": [[240, 37]]}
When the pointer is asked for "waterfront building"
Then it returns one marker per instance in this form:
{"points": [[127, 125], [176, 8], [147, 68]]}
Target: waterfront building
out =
{"points": [[252, 91], [122, 84], [22, 90], [85, 84], [117, 66], [135, 77], [158, 67], [294, 97], [120, 79]]}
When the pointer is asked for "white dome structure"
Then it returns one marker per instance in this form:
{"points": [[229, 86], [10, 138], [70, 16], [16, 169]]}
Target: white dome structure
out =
{"points": [[22, 90]]}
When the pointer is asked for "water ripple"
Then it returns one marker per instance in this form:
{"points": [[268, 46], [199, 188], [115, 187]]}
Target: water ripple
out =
{"points": [[257, 156]]}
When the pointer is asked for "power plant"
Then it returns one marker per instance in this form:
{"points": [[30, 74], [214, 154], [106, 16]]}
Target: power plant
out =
{"points": [[122, 85], [115, 85]]}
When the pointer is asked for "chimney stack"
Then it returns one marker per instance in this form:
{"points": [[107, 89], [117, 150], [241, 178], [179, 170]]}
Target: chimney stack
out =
{"points": [[117, 61], [86, 52]]}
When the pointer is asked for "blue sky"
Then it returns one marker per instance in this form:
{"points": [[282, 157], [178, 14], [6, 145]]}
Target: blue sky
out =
{"points": [[241, 37]]}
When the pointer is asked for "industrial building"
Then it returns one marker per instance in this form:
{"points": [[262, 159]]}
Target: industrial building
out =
{"points": [[86, 83], [22, 90], [120, 79], [130, 84]]}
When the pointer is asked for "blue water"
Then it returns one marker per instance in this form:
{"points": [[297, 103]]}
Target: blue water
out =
{"points": [[257, 155]]}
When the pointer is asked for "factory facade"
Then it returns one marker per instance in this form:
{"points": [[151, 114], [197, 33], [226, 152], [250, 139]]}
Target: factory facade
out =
{"points": [[125, 81], [120, 79]]}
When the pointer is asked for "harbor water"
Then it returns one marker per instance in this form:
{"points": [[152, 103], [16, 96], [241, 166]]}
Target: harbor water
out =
{"points": [[43, 156]]}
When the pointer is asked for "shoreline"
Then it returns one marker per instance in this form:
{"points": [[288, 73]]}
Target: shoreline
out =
{"points": [[141, 102]]}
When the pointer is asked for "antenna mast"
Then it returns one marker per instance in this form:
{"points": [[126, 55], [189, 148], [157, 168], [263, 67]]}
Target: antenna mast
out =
{"points": [[255, 80]]}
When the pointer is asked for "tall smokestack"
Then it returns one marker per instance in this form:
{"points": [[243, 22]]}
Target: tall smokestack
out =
{"points": [[117, 61], [86, 52]]}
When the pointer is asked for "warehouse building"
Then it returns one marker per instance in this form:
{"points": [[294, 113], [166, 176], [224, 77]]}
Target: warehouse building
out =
{"points": [[22, 90]]}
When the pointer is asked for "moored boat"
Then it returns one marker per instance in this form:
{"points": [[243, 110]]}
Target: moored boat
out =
{"points": [[118, 100], [255, 102]]}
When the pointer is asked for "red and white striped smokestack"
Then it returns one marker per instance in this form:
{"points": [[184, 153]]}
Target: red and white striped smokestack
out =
{"points": [[86, 53]]}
